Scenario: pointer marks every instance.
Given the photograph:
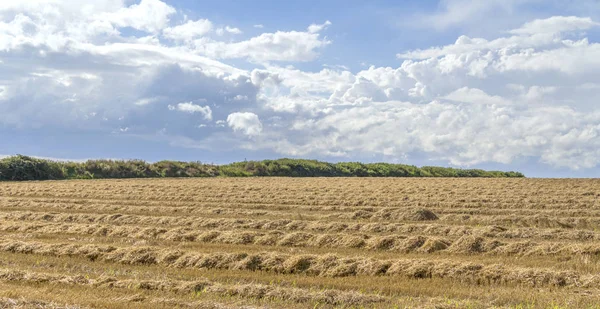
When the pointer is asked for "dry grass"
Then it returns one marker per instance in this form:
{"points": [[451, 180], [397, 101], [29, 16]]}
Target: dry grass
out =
{"points": [[298, 243], [23, 303]]}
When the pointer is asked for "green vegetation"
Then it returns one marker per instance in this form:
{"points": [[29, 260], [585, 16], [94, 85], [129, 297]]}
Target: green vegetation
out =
{"points": [[21, 167]]}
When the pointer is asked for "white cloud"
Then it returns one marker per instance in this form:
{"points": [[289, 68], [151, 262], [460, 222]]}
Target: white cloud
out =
{"points": [[527, 52], [145, 101], [461, 134], [476, 96], [240, 97], [337, 67], [3, 92], [247, 123], [396, 112], [148, 15], [188, 31], [221, 31], [278, 46], [258, 26], [556, 24], [456, 12], [233, 30], [72, 67], [315, 28], [466, 44], [189, 107]]}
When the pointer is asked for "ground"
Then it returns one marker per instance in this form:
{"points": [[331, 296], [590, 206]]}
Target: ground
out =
{"points": [[300, 243]]}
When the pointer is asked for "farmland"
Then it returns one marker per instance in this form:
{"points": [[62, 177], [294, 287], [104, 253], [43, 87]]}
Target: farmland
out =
{"points": [[300, 243]]}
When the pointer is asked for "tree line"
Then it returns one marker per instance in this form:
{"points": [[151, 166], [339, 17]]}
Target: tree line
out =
{"points": [[20, 167]]}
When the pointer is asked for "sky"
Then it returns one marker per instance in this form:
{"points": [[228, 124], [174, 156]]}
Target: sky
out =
{"points": [[494, 84]]}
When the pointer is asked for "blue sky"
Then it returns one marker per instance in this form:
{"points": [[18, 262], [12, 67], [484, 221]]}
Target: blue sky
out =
{"points": [[508, 85]]}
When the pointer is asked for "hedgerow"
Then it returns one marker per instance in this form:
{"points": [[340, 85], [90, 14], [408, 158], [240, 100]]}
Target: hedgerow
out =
{"points": [[20, 167]]}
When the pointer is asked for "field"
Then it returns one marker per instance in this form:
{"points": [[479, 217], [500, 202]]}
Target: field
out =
{"points": [[300, 243]]}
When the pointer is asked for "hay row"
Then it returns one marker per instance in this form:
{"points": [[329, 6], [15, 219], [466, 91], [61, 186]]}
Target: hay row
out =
{"points": [[396, 243], [330, 203], [478, 208], [23, 303], [534, 221], [398, 214], [252, 290], [382, 216], [195, 223], [134, 300], [328, 265]]}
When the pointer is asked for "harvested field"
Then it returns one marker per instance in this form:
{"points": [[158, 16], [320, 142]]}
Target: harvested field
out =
{"points": [[300, 243]]}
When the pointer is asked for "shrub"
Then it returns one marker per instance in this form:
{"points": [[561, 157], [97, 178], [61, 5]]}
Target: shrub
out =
{"points": [[22, 167], [27, 168]]}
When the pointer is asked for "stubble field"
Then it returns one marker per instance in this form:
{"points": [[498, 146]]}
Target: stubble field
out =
{"points": [[300, 243]]}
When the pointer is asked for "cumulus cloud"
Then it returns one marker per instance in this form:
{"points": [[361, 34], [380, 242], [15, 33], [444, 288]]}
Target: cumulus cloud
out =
{"points": [[461, 134], [145, 101], [233, 30], [247, 123], [457, 103], [75, 67], [315, 28], [556, 24], [188, 31], [456, 12], [189, 107], [278, 46], [148, 15], [528, 52], [62, 77], [474, 95]]}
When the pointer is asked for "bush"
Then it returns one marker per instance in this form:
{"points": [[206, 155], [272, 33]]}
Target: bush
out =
{"points": [[26, 168], [22, 167]]}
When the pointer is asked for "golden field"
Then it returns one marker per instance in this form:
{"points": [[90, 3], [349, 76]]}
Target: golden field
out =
{"points": [[300, 243]]}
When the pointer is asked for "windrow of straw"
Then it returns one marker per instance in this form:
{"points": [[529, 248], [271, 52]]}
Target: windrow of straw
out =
{"points": [[195, 223], [329, 265], [516, 218], [434, 243], [22, 303], [252, 290], [467, 244]]}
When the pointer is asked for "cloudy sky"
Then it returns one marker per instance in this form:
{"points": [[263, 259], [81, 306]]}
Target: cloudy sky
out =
{"points": [[495, 84]]}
